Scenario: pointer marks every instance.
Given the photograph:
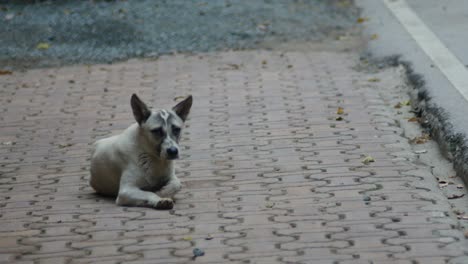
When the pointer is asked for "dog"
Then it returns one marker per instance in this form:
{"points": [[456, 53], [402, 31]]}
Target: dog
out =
{"points": [[136, 166]]}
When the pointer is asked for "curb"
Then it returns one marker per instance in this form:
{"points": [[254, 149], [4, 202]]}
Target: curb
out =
{"points": [[454, 146]]}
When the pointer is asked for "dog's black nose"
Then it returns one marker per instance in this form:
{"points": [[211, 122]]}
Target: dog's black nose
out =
{"points": [[172, 152]]}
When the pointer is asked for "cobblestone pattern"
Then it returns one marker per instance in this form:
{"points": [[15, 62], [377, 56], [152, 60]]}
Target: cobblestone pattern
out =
{"points": [[268, 172]]}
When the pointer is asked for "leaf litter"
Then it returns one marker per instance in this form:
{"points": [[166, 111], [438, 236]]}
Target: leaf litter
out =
{"points": [[456, 196], [65, 145], [401, 104], [367, 160], [362, 20], [5, 72], [43, 46], [340, 111], [420, 139]]}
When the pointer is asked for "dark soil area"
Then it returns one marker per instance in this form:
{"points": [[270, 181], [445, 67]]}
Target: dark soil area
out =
{"points": [[50, 33]]}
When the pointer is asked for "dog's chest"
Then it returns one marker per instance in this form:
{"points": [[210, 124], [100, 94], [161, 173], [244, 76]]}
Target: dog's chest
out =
{"points": [[156, 174], [155, 183]]}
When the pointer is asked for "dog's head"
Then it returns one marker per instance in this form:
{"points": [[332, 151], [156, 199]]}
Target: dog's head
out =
{"points": [[162, 129]]}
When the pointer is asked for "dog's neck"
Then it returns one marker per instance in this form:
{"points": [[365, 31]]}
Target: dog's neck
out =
{"points": [[145, 147]]}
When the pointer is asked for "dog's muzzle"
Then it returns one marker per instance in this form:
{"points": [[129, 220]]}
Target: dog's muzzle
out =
{"points": [[172, 153]]}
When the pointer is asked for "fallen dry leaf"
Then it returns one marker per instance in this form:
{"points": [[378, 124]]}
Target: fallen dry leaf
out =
{"points": [[187, 238], [269, 205], [5, 72], [452, 176], [339, 118], [367, 160], [414, 119], [443, 184], [344, 3], [290, 66], [456, 196], [374, 36], [264, 62], [373, 80], [404, 103], [340, 111], [421, 139], [344, 37], [231, 66], [43, 46], [66, 145], [362, 20], [234, 66]]}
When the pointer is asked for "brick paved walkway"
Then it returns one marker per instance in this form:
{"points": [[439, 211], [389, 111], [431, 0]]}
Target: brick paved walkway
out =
{"points": [[269, 172]]}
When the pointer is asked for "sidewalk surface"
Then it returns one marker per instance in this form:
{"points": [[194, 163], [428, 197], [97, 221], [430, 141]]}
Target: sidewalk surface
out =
{"points": [[270, 175]]}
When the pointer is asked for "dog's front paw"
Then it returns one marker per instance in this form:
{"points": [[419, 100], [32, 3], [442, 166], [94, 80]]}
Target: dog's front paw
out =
{"points": [[165, 204]]}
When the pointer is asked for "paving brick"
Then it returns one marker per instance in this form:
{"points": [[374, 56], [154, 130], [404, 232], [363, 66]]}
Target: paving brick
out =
{"points": [[269, 174]]}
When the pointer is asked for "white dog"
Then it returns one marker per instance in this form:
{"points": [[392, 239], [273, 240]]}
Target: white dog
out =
{"points": [[137, 165]]}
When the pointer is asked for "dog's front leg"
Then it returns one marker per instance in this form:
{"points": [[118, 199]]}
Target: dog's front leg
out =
{"points": [[171, 188], [130, 193], [132, 196]]}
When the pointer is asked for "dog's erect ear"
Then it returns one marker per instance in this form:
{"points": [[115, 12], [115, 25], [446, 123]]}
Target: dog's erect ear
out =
{"points": [[182, 109], [140, 110]]}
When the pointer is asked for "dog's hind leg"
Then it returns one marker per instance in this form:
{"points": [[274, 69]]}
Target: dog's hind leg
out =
{"points": [[133, 196]]}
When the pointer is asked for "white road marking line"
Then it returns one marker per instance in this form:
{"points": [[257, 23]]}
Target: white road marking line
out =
{"points": [[441, 56]]}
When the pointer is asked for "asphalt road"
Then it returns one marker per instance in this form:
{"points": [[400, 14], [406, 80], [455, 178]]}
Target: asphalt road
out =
{"points": [[48, 33], [448, 20]]}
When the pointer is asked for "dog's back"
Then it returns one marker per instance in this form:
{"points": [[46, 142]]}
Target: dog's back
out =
{"points": [[105, 169]]}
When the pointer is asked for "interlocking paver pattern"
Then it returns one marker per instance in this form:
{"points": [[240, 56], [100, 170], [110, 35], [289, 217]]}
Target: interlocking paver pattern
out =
{"points": [[268, 171]]}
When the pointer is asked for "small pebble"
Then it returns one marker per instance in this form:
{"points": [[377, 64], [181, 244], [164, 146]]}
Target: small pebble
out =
{"points": [[198, 252], [209, 237], [366, 198]]}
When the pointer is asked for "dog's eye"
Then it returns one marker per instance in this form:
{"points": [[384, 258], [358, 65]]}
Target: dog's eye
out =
{"points": [[176, 131], [158, 132]]}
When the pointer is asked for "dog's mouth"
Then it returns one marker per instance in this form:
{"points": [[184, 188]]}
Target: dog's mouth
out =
{"points": [[172, 158]]}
